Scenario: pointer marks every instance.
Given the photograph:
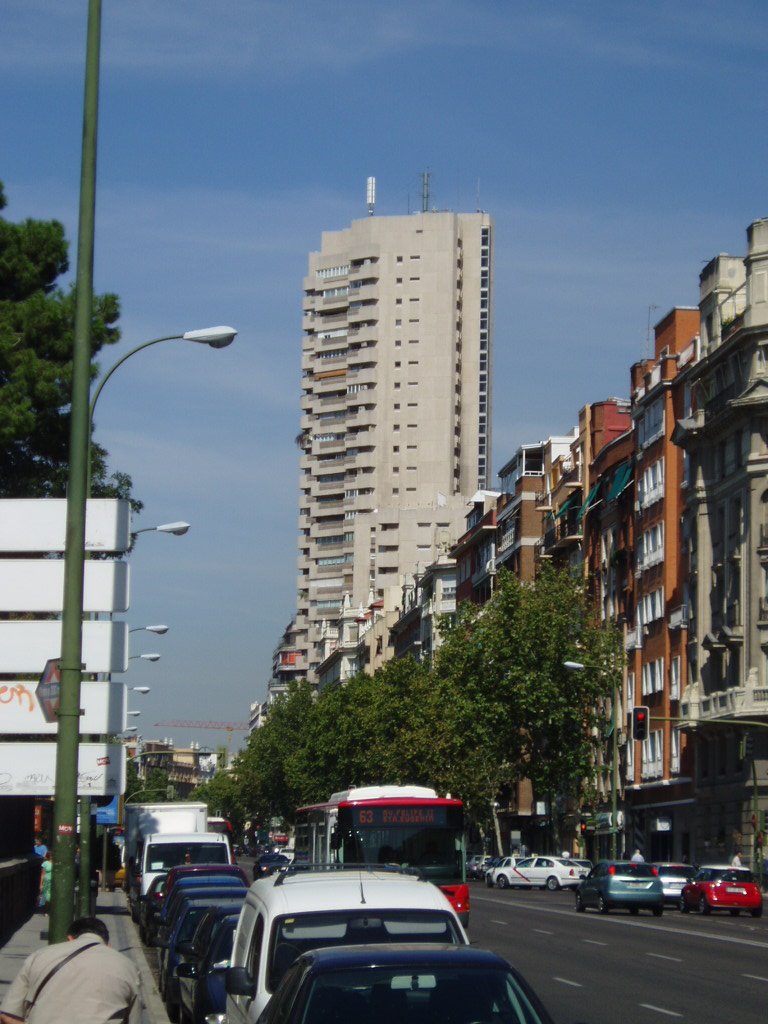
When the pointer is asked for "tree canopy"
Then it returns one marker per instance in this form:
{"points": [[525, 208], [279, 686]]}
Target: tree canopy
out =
{"points": [[496, 706], [36, 345]]}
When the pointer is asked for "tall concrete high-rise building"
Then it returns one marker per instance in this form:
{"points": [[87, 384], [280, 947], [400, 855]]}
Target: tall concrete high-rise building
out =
{"points": [[395, 426]]}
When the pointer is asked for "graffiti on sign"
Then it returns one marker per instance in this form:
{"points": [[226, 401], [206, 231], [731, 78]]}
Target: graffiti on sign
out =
{"points": [[17, 694]]}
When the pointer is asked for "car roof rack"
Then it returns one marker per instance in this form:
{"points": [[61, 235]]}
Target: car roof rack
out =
{"points": [[287, 870]]}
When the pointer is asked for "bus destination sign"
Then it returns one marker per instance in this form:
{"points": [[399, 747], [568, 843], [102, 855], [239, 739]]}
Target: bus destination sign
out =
{"points": [[395, 817]]}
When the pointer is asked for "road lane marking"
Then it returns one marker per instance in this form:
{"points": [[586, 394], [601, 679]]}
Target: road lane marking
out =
{"points": [[541, 931], [566, 981], [755, 977], [494, 921], [660, 1009], [593, 942], [660, 956]]}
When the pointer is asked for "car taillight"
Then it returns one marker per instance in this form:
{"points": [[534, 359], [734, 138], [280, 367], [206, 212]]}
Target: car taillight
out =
{"points": [[655, 871], [612, 870]]}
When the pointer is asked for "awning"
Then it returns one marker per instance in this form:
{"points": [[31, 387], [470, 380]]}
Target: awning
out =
{"points": [[621, 479], [588, 502], [566, 505]]}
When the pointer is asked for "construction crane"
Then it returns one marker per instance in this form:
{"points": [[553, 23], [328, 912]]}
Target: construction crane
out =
{"points": [[184, 723]]}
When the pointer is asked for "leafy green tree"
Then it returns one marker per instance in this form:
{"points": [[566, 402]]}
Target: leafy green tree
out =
{"points": [[36, 344], [224, 796]]}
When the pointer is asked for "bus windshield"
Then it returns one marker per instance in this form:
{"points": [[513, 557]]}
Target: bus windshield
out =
{"points": [[437, 850]]}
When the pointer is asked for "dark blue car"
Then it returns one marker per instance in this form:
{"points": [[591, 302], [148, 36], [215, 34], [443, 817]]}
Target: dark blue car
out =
{"points": [[191, 883], [390, 983], [201, 974], [181, 930]]}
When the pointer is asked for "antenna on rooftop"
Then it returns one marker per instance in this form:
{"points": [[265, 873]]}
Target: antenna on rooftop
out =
{"points": [[425, 184], [370, 195]]}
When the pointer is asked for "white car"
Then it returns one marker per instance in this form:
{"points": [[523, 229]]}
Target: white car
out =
{"points": [[294, 910], [504, 870], [543, 873]]}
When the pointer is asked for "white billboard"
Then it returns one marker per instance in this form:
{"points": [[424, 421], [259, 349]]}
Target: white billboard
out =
{"points": [[25, 646], [26, 708], [37, 585], [38, 525], [29, 769]]}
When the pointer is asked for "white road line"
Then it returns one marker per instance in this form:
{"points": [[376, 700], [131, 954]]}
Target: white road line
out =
{"points": [[565, 981], [660, 956], [593, 942], [660, 1009], [755, 977], [541, 931], [494, 921]]}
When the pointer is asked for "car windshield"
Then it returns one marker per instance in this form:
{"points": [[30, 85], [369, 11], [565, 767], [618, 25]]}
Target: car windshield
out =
{"points": [[292, 936], [420, 993], [163, 856], [731, 875], [638, 870], [673, 871]]}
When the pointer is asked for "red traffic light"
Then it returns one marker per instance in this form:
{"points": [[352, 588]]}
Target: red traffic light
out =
{"points": [[640, 718]]}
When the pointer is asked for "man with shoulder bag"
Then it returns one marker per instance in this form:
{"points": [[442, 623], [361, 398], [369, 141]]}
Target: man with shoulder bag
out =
{"points": [[81, 981]]}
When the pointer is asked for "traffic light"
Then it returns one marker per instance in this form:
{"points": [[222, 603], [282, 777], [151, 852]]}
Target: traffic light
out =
{"points": [[640, 718]]}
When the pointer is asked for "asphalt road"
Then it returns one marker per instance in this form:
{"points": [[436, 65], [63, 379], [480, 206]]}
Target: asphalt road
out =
{"points": [[618, 969]]}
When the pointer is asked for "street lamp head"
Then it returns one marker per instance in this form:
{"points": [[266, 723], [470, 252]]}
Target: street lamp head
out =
{"points": [[574, 666], [149, 629], [144, 657], [131, 728], [141, 689], [133, 714], [216, 337], [177, 529]]}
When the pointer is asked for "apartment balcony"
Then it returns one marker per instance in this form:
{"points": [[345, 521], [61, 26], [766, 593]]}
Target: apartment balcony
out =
{"points": [[678, 617], [367, 334], [633, 640], [748, 701], [562, 533], [365, 375], [361, 418], [484, 571], [368, 292], [543, 501], [329, 302]]}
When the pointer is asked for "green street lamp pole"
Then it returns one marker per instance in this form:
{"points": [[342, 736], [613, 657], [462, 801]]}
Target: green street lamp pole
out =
{"points": [[65, 793]]}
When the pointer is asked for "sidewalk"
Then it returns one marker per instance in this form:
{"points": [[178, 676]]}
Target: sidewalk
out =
{"points": [[123, 935]]}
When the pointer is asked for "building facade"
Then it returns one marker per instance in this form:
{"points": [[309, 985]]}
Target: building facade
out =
{"points": [[396, 407]]}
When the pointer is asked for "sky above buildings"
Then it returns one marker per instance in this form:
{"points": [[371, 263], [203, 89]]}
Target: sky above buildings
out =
{"points": [[618, 146]]}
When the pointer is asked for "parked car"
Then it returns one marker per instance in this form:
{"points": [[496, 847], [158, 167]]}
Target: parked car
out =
{"points": [[722, 887], [176, 940], [196, 886], [551, 873], [489, 865], [473, 864], [185, 870], [673, 878], [502, 868], [150, 907], [297, 910], [388, 984], [621, 884], [201, 972]]}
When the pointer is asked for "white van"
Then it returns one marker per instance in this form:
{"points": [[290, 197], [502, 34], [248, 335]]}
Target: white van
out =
{"points": [[157, 853], [292, 911]]}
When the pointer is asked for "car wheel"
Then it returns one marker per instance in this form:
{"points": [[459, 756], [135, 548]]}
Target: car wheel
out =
{"points": [[757, 912], [552, 884], [634, 911], [733, 913], [704, 907], [602, 906], [579, 903], [489, 881], [502, 881], [134, 914], [683, 906], [658, 911]]}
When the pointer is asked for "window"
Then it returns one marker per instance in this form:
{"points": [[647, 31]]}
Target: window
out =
{"points": [[674, 678], [653, 677]]}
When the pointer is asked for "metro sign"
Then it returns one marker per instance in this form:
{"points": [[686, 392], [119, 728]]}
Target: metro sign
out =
{"points": [[48, 690]]}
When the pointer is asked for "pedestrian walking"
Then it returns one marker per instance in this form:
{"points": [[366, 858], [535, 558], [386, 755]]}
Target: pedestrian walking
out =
{"points": [[46, 874], [637, 857], [736, 861], [81, 981]]}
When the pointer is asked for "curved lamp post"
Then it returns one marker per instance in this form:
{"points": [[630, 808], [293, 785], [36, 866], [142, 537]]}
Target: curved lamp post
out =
{"points": [[78, 487], [159, 630]]}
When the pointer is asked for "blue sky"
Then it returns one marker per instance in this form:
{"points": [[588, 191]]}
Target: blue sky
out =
{"points": [[618, 146]]}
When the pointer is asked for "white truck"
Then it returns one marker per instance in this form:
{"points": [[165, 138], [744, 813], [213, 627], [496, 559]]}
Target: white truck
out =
{"points": [[142, 820]]}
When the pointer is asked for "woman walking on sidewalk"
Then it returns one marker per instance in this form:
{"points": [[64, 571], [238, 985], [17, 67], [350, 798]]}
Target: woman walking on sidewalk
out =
{"points": [[46, 872]]}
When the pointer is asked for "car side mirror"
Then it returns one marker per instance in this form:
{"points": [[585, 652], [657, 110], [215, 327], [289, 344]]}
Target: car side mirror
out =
{"points": [[222, 965], [238, 982]]}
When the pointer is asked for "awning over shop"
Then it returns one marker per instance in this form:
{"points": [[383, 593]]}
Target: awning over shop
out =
{"points": [[621, 479], [588, 502]]}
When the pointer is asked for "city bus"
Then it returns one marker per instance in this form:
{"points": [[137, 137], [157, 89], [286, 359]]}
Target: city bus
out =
{"points": [[406, 825]]}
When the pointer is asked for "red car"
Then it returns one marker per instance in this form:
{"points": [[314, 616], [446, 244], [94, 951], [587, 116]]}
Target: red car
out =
{"points": [[722, 887]]}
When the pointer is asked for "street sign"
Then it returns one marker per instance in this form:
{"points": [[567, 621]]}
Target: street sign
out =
{"points": [[47, 691], [21, 709]]}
